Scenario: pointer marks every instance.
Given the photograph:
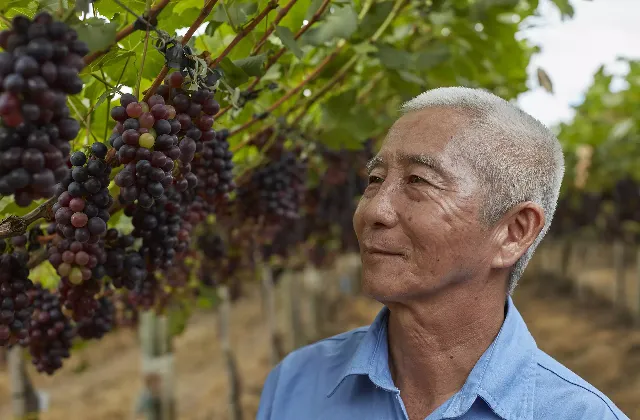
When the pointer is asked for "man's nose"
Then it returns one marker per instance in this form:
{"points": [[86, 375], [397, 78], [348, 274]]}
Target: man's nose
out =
{"points": [[380, 210]]}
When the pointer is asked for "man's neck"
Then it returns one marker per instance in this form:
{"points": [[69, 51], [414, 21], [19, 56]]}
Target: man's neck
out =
{"points": [[434, 344]]}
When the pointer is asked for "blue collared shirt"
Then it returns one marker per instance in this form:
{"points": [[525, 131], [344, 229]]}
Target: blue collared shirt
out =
{"points": [[347, 377]]}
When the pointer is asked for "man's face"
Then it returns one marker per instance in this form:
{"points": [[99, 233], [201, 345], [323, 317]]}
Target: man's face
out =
{"points": [[417, 222]]}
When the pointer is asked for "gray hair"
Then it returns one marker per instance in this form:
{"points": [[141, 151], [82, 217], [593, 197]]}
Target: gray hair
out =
{"points": [[516, 157]]}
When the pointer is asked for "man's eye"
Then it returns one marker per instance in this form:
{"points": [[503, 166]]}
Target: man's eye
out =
{"points": [[414, 179], [375, 179]]}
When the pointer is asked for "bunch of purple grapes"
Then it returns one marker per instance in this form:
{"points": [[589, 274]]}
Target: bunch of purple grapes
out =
{"points": [[100, 323], [125, 266], [81, 216], [147, 294], [40, 65], [195, 112], [214, 169], [146, 142], [15, 308], [79, 299], [50, 332], [160, 228], [275, 190]]}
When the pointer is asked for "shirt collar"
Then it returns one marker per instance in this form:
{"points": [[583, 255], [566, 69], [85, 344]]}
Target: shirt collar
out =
{"points": [[503, 377]]}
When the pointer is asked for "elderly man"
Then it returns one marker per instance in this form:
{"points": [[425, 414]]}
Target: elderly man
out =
{"points": [[461, 193]]}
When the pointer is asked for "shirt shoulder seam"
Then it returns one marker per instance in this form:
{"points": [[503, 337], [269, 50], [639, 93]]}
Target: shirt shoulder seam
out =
{"points": [[580, 386]]}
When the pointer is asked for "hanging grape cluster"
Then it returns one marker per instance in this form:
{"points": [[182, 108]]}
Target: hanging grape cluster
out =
{"points": [[124, 265], [275, 190], [214, 169], [15, 311], [38, 69], [100, 323], [50, 332]]}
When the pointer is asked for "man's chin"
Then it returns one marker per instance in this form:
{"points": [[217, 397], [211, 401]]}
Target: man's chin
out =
{"points": [[384, 288]]}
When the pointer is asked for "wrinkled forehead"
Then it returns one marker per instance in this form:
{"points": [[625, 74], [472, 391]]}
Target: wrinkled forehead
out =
{"points": [[425, 136]]}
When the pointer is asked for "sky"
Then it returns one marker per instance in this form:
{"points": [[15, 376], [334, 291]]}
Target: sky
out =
{"points": [[573, 50]]}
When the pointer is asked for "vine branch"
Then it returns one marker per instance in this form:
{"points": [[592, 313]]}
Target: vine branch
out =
{"points": [[325, 89], [289, 94], [125, 32], [206, 10], [272, 60], [17, 225], [244, 32], [281, 14], [144, 53]]}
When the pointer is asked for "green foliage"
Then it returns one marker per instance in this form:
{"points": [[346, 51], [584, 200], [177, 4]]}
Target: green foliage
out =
{"points": [[608, 121], [426, 45]]}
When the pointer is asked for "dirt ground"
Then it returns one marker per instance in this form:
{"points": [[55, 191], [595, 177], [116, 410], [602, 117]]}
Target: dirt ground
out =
{"points": [[101, 381]]}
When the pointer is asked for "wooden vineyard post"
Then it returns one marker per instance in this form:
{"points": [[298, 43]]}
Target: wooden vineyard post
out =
{"points": [[23, 396], [292, 290], [269, 300], [638, 285], [618, 266], [157, 401], [312, 284], [224, 322]]}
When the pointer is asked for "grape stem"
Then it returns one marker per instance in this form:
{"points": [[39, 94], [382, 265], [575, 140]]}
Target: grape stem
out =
{"points": [[272, 60], [281, 14], [140, 18], [17, 225], [244, 32], [125, 32], [206, 10], [144, 53]]}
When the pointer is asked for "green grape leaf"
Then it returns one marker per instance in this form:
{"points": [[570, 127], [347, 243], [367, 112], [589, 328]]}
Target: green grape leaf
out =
{"points": [[235, 14], [212, 26], [97, 33], [8, 206], [341, 24], [430, 58], [233, 74], [183, 5], [46, 275], [393, 58], [253, 66], [287, 38], [376, 15], [410, 77]]}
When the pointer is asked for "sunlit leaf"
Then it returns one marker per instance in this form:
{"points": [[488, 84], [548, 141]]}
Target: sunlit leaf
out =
{"points": [[233, 74], [253, 66], [286, 36], [235, 14], [97, 33], [341, 24]]}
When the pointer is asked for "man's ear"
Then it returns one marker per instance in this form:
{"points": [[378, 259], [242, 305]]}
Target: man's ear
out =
{"points": [[517, 231]]}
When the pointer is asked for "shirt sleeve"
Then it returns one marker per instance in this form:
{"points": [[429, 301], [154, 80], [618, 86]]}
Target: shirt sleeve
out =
{"points": [[265, 409]]}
